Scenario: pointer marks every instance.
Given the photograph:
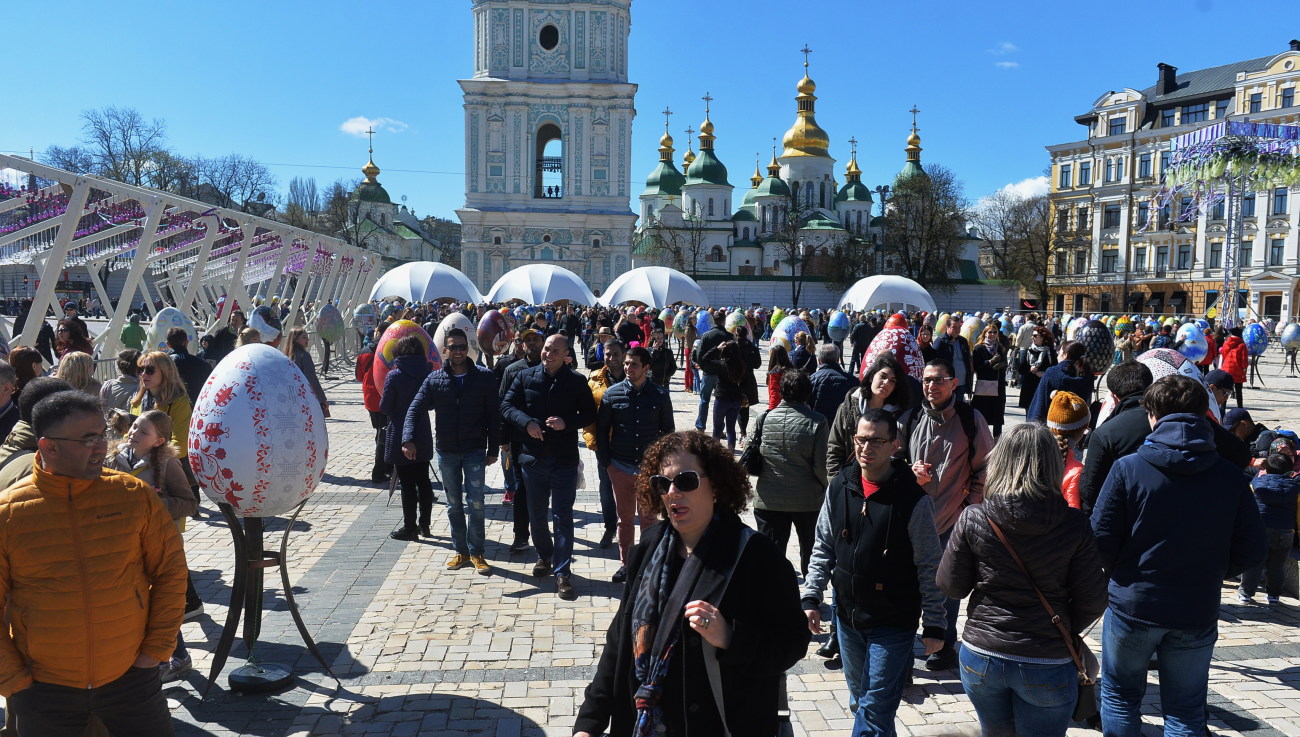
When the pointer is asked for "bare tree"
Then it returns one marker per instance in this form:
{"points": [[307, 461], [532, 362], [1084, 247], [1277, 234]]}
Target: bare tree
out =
{"points": [[798, 246], [850, 261], [1019, 234], [334, 200], [303, 205], [172, 173], [924, 227], [447, 232], [75, 159], [121, 143], [237, 180], [679, 238]]}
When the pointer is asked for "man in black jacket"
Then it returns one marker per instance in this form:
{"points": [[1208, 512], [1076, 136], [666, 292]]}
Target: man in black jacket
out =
{"points": [[829, 382], [1123, 432], [532, 344], [465, 405], [861, 337], [711, 339], [876, 542], [193, 370], [548, 405]]}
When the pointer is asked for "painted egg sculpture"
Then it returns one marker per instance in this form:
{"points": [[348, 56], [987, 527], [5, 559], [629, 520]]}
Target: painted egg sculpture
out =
{"points": [[458, 320], [971, 328], [1100, 348], [838, 326], [386, 350], [166, 319], [1291, 336], [329, 323], [1167, 361], [783, 334], [777, 316], [257, 437], [1256, 338], [680, 322], [703, 322], [666, 316], [896, 340], [494, 333], [364, 318], [1191, 342], [735, 320], [941, 324]]}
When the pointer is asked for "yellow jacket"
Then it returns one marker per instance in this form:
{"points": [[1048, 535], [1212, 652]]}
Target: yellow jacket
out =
{"points": [[94, 575], [599, 381], [179, 410]]}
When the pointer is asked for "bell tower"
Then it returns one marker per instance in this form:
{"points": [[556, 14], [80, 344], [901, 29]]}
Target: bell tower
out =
{"points": [[548, 139]]}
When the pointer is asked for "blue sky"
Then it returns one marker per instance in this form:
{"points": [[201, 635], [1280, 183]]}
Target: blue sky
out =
{"points": [[277, 81]]}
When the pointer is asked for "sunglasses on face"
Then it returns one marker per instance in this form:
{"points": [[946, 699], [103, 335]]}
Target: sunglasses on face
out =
{"points": [[457, 347], [149, 370], [684, 481]]}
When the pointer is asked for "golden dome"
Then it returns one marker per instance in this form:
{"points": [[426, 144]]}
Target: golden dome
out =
{"points": [[805, 137], [666, 141], [806, 86], [689, 157], [757, 177], [852, 168], [914, 139], [370, 170], [706, 128]]}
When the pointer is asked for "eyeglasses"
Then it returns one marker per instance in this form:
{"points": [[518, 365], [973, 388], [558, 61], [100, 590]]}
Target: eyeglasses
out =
{"points": [[458, 347], [63, 330], [876, 443], [89, 441], [149, 370], [684, 481], [936, 379]]}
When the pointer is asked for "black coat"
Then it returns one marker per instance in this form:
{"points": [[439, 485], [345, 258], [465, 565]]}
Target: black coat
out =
{"points": [[193, 371], [1123, 432], [988, 367], [536, 395], [466, 412], [1004, 614], [770, 634], [400, 388], [829, 387]]}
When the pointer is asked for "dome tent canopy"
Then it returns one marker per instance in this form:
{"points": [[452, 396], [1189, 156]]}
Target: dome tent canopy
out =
{"points": [[540, 284], [886, 290], [425, 281], [656, 286]]}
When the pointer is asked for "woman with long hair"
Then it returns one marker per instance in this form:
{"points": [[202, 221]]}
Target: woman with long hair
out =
{"points": [[71, 336], [295, 347], [726, 362], [1016, 666], [78, 369], [161, 388], [27, 366], [884, 386], [778, 362], [1071, 373], [706, 601], [990, 359], [1040, 356]]}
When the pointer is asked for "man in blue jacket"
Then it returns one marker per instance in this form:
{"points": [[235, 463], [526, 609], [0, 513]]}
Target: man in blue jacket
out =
{"points": [[463, 398], [548, 405], [1172, 522]]}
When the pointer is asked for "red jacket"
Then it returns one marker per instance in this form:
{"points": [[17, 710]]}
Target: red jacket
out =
{"points": [[1212, 351], [774, 389], [1235, 359], [369, 394]]}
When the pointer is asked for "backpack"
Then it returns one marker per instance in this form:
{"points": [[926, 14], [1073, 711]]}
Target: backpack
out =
{"points": [[965, 413]]}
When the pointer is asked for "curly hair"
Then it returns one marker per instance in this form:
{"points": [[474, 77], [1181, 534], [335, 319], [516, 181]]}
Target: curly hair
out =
{"points": [[731, 486]]}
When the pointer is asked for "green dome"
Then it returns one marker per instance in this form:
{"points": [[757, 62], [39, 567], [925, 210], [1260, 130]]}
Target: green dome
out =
{"points": [[854, 192], [707, 169], [743, 213], [665, 180], [748, 199], [773, 187], [369, 191], [910, 169]]}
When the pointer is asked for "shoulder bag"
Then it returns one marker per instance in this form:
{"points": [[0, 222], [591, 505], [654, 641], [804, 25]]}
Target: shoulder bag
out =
{"points": [[752, 458], [1085, 707]]}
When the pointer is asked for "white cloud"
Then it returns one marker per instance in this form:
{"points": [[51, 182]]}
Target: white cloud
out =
{"points": [[1003, 48], [1031, 187], [359, 125], [1006, 64]]}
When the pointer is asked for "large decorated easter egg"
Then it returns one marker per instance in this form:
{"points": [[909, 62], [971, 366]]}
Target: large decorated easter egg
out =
{"points": [[703, 322], [1167, 361], [735, 319], [364, 318], [1291, 336], [1191, 342], [257, 437], [386, 350], [493, 333], [666, 316], [166, 319], [1072, 330], [458, 320], [839, 326], [941, 324], [896, 340], [971, 328], [777, 316], [783, 334], [1256, 338], [329, 323], [1100, 348], [680, 322]]}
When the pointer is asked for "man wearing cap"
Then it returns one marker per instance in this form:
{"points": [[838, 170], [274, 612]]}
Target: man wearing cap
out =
{"points": [[1221, 387], [596, 354]]}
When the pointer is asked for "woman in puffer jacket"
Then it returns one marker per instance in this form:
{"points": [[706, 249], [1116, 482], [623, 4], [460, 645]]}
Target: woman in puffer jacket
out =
{"points": [[1016, 667], [1235, 359]]}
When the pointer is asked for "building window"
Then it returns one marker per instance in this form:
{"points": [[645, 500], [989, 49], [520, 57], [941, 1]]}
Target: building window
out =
{"points": [[1256, 101], [1119, 167], [1083, 218], [1060, 303], [716, 255], [1078, 303], [1216, 212], [1063, 219], [595, 243], [1109, 260], [1167, 118], [1118, 125], [496, 240], [1085, 173], [1221, 108], [1164, 162], [1143, 213], [1139, 259], [1248, 205], [1110, 216], [1162, 260], [1184, 257], [1216, 255], [1246, 254], [1081, 262], [1144, 165], [1110, 170], [710, 207], [548, 37], [1196, 113], [1279, 201], [1288, 97], [1275, 247], [1066, 177]]}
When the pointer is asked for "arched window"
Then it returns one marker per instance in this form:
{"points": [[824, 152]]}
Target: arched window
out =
{"points": [[710, 207], [716, 255], [808, 195], [746, 234], [548, 172], [496, 240], [859, 221], [546, 238], [595, 243], [822, 196], [794, 191]]}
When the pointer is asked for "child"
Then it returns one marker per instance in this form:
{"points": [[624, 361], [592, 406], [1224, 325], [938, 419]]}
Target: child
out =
{"points": [[1275, 493], [1068, 418]]}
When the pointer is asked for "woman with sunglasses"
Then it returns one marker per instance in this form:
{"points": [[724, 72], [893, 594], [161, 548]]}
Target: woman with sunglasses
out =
{"points": [[710, 617], [296, 349], [161, 388], [71, 336]]}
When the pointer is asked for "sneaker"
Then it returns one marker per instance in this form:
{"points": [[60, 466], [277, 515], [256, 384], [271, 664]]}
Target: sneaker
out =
{"points": [[520, 545], [620, 575], [194, 613], [175, 668], [945, 659], [542, 568], [608, 538], [425, 532], [1243, 599], [457, 561], [403, 533], [480, 565], [564, 587], [1274, 601]]}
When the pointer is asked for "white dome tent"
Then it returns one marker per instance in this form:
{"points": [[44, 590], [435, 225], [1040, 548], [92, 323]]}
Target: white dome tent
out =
{"points": [[425, 281], [654, 286], [889, 292], [540, 284]]}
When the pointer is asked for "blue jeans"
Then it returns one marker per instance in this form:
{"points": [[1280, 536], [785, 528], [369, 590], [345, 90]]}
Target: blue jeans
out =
{"points": [[1183, 657], [608, 510], [705, 387], [725, 414], [462, 478], [551, 487], [876, 662], [1013, 698]]}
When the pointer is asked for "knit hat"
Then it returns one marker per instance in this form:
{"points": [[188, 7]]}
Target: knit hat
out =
{"points": [[1068, 412]]}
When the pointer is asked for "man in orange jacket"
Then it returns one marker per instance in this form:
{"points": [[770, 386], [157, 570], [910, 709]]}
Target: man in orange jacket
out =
{"points": [[93, 573]]}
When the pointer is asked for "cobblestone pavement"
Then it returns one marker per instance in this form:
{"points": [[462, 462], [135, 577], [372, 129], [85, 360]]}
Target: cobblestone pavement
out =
{"points": [[420, 650]]}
